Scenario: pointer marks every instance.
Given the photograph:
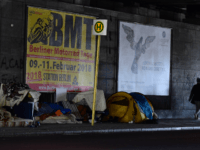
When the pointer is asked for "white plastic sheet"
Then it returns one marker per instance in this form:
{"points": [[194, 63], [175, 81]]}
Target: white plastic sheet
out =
{"points": [[88, 97]]}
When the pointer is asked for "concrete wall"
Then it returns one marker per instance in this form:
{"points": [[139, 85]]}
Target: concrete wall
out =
{"points": [[185, 51]]}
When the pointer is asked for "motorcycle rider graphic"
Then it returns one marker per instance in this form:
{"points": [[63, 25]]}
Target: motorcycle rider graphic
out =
{"points": [[41, 30]]}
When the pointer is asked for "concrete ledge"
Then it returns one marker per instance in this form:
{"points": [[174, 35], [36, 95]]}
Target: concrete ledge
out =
{"points": [[176, 128], [187, 128], [99, 131], [197, 128], [164, 129], [135, 130], [130, 130], [55, 129]]}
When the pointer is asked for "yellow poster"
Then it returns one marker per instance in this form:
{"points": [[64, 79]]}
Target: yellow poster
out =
{"points": [[60, 50]]}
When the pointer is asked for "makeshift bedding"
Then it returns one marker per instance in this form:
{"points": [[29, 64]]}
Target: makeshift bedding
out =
{"points": [[62, 119], [6, 120], [47, 108], [88, 97], [143, 103], [13, 94]]}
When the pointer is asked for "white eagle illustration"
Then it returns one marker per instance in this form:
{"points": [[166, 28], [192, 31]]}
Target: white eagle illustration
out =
{"points": [[138, 47]]}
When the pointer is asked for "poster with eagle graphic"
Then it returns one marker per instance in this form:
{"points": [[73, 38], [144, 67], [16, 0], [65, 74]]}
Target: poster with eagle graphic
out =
{"points": [[144, 59]]}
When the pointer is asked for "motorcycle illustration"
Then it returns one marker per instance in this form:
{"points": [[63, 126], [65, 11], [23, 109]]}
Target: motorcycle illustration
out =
{"points": [[41, 30]]}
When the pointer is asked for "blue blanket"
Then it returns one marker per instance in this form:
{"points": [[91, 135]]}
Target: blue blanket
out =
{"points": [[143, 103], [51, 107]]}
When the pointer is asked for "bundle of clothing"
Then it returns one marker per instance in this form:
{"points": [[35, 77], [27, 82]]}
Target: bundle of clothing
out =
{"points": [[13, 93], [18, 99], [7, 120], [54, 113]]}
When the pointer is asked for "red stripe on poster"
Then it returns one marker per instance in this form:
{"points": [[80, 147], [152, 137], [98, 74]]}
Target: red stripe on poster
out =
{"points": [[59, 58], [52, 87]]}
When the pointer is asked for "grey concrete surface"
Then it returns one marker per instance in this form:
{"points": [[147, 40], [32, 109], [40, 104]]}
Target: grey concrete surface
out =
{"points": [[85, 128]]}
